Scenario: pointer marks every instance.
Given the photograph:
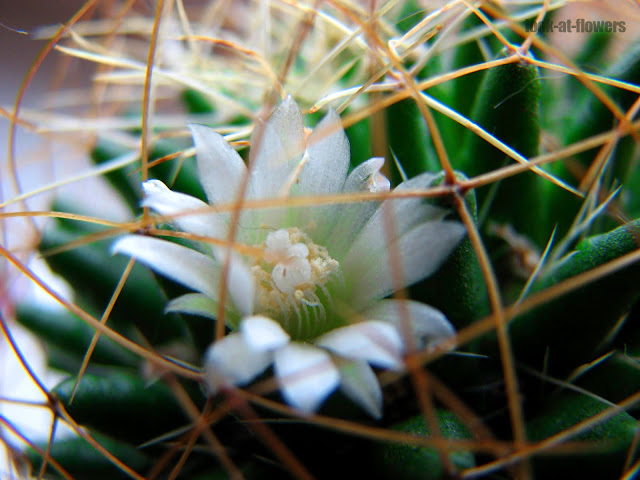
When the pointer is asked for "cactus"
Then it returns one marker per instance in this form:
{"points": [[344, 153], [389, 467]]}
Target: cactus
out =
{"points": [[528, 247]]}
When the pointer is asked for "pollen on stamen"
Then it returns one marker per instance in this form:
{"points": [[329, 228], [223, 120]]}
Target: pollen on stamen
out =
{"points": [[291, 280]]}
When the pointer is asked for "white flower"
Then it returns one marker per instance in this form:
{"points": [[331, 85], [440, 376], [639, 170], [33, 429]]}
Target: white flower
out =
{"points": [[311, 303]]}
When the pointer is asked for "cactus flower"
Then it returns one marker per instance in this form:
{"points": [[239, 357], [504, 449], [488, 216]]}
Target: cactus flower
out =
{"points": [[308, 296]]}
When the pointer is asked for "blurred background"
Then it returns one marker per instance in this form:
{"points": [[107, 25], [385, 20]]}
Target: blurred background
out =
{"points": [[39, 161]]}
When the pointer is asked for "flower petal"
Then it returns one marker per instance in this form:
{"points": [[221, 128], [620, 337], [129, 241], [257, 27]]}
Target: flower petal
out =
{"points": [[193, 304], [199, 304], [231, 361], [360, 384], [286, 121], [270, 167], [306, 375], [402, 214], [328, 150], [428, 326], [366, 177], [240, 280], [220, 167], [181, 264], [263, 334], [420, 251], [167, 202], [379, 343]]}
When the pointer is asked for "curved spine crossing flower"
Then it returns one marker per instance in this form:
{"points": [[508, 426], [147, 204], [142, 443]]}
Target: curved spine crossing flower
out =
{"points": [[311, 301]]}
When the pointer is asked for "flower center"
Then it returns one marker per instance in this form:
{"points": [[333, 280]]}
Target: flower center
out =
{"points": [[292, 281]]}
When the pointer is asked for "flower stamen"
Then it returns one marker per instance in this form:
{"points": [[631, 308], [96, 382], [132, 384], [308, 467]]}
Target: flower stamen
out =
{"points": [[288, 276]]}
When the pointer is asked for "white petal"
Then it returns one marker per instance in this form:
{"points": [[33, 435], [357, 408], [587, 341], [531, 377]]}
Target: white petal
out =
{"points": [[378, 343], [402, 214], [360, 384], [366, 177], [263, 334], [181, 264], [277, 146], [286, 121], [328, 150], [420, 251], [306, 375], [427, 325], [151, 187], [353, 216], [270, 167], [221, 169], [167, 202], [240, 280], [231, 361]]}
